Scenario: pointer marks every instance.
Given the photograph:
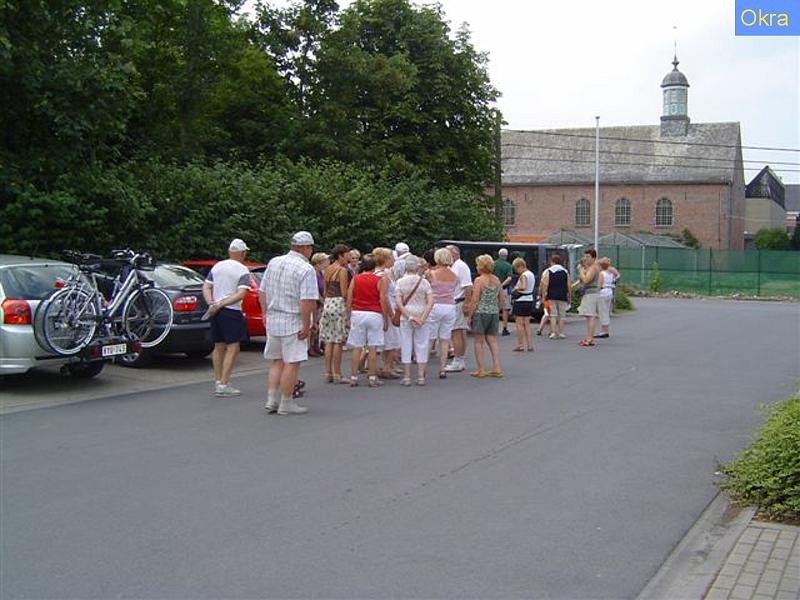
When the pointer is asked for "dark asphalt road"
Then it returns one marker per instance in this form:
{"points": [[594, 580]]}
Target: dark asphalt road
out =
{"points": [[573, 477]]}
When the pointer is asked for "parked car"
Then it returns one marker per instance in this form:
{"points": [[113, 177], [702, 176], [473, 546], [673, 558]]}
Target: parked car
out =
{"points": [[251, 307], [24, 283], [189, 334]]}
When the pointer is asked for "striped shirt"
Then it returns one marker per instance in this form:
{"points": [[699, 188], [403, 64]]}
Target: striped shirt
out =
{"points": [[288, 280]]}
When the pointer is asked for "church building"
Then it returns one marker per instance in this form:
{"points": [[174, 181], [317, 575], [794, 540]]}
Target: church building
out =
{"points": [[656, 179]]}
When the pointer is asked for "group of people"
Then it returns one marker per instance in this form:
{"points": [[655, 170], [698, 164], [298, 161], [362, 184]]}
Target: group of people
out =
{"points": [[405, 307]]}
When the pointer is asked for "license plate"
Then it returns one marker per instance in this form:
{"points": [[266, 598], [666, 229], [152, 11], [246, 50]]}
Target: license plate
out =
{"points": [[115, 349]]}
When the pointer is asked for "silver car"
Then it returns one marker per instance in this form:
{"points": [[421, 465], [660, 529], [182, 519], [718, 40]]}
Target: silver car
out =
{"points": [[24, 282]]}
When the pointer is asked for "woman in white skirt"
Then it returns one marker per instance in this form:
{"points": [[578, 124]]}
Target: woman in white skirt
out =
{"points": [[415, 300], [605, 297]]}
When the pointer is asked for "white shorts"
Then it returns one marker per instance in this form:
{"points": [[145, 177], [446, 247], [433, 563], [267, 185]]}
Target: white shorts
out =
{"points": [[366, 329], [414, 340], [286, 348], [391, 338], [442, 319], [506, 300], [461, 320]]}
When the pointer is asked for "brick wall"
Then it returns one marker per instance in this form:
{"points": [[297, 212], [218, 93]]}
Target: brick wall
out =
{"points": [[709, 211]]}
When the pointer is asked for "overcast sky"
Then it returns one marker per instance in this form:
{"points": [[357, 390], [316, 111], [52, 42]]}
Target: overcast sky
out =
{"points": [[558, 64]]}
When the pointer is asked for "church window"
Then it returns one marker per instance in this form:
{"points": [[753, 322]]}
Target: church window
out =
{"points": [[663, 212], [622, 212], [583, 213], [509, 212]]}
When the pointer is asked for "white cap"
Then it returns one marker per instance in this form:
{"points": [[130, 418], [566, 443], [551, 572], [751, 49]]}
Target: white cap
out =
{"points": [[502, 252], [302, 238], [238, 245], [401, 248]]}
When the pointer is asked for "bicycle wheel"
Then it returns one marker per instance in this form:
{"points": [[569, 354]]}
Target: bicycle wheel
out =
{"points": [[66, 321], [147, 316]]}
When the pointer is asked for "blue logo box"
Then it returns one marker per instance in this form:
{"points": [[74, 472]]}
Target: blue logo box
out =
{"points": [[768, 17]]}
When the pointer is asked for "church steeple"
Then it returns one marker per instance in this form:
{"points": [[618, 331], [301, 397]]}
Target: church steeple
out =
{"points": [[675, 117]]}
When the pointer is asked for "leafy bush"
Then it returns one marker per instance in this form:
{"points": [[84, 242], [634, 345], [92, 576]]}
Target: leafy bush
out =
{"points": [[772, 239], [655, 278], [767, 473], [621, 300], [193, 210]]}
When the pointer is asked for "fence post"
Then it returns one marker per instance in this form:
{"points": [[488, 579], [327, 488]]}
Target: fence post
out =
{"points": [[710, 267], [758, 274]]}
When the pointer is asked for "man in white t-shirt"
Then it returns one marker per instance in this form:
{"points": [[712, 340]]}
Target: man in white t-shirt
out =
{"points": [[288, 297], [462, 297], [224, 288]]}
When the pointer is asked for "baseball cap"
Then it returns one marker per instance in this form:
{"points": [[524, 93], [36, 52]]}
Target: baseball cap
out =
{"points": [[401, 248], [238, 245], [302, 238]]}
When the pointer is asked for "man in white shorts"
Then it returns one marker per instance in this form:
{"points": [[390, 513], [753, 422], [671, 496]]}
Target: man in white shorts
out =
{"points": [[462, 297], [288, 297]]}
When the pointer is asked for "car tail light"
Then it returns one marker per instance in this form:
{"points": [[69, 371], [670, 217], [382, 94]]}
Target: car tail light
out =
{"points": [[185, 303], [16, 312]]}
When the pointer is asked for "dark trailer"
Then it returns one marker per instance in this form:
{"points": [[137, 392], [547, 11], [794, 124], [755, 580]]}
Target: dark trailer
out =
{"points": [[536, 256]]}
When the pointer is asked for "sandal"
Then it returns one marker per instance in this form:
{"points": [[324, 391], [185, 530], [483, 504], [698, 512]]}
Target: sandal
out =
{"points": [[496, 374], [518, 349], [478, 373], [335, 378], [421, 381], [586, 343], [442, 374], [353, 381], [374, 381], [328, 377], [406, 381]]}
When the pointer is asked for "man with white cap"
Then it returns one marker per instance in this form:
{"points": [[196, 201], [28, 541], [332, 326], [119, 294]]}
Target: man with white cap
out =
{"points": [[288, 297], [223, 290], [503, 271]]}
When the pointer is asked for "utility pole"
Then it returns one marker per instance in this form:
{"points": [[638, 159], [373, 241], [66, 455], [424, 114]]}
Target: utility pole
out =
{"points": [[597, 184], [498, 169]]}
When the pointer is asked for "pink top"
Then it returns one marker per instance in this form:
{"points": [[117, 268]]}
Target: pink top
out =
{"points": [[443, 291]]}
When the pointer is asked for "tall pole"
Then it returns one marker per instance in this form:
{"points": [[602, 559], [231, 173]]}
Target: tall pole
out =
{"points": [[597, 183], [498, 170]]}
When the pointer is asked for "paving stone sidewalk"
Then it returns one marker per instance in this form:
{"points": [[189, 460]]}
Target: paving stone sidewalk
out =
{"points": [[763, 565]]}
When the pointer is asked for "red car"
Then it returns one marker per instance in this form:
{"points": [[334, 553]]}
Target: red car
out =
{"points": [[251, 307]]}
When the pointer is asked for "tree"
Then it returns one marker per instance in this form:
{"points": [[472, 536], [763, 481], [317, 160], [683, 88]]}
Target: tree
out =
{"points": [[392, 86], [795, 241], [772, 239]]}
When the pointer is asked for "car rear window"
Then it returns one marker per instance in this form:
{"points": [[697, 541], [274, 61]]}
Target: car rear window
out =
{"points": [[32, 282], [176, 276]]}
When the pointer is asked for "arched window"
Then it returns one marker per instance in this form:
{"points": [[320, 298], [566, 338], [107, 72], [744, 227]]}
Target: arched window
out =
{"points": [[509, 212], [583, 213], [622, 212], [663, 213]]}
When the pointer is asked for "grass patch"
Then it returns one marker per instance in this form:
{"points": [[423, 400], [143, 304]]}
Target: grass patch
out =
{"points": [[767, 473]]}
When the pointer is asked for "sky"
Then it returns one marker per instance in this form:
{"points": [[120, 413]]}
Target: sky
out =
{"points": [[560, 64]]}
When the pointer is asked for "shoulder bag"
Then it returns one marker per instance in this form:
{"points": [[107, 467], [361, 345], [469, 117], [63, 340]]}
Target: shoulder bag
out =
{"points": [[397, 312]]}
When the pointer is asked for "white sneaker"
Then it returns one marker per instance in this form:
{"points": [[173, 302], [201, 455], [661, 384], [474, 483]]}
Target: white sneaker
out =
{"points": [[291, 407], [562, 336], [455, 366], [271, 406], [226, 391], [552, 336]]}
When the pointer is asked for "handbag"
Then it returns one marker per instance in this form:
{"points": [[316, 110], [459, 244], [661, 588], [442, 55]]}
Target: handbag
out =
{"points": [[399, 313]]}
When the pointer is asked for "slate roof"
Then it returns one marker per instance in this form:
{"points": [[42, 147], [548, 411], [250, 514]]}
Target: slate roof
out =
{"points": [[566, 156], [792, 197], [766, 185]]}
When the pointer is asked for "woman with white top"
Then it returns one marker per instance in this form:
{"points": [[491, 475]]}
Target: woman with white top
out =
{"points": [[414, 298], [605, 299], [523, 305]]}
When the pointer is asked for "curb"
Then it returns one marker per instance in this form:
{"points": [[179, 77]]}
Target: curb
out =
{"points": [[691, 568]]}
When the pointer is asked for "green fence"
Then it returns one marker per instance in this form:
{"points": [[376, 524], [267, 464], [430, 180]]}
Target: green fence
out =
{"points": [[710, 272]]}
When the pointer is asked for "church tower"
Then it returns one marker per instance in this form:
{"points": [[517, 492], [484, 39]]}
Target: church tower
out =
{"points": [[675, 118]]}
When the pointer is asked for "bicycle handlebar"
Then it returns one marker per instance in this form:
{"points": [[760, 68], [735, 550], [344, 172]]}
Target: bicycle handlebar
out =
{"points": [[118, 258]]}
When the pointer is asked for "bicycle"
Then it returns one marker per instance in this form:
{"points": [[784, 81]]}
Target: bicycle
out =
{"points": [[69, 319]]}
